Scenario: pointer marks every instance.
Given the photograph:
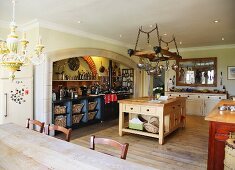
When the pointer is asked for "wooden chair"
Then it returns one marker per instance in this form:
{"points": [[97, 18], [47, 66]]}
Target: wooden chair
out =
{"points": [[67, 132], [35, 122], [110, 142]]}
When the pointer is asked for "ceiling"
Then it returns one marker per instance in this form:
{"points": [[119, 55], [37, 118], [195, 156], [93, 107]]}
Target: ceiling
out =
{"points": [[191, 21]]}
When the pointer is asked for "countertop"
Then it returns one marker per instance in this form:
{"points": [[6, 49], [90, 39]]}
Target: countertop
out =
{"points": [[22, 148], [197, 92], [148, 101], [77, 98], [222, 116]]}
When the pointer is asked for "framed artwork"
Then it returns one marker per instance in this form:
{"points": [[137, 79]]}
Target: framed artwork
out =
{"points": [[231, 73]]}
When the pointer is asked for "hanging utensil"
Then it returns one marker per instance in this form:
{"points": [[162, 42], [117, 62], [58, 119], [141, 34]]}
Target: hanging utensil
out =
{"points": [[102, 68]]}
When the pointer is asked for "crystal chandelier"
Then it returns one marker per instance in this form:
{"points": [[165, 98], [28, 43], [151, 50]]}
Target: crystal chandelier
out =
{"points": [[10, 58], [151, 61]]}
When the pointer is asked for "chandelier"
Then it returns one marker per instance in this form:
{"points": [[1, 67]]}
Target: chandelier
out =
{"points": [[12, 59], [151, 60]]}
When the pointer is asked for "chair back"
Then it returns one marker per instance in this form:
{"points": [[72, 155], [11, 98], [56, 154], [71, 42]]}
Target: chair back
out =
{"points": [[122, 147], [35, 122], [67, 132]]}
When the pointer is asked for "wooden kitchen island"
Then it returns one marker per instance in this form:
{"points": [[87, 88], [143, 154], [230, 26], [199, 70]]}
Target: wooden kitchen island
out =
{"points": [[171, 115], [221, 126]]}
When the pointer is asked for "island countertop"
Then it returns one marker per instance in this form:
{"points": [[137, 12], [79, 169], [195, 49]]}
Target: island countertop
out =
{"points": [[148, 101], [222, 116]]}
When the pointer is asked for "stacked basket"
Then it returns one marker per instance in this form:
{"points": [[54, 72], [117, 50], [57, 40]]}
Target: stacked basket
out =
{"points": [[61, 119], [92, 112], [77, 108]]}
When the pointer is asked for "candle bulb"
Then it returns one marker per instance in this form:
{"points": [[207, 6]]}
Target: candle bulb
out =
{"points": [[40, 40], [24, 36]]}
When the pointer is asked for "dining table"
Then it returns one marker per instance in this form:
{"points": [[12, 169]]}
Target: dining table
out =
{"points": [[22, 148]]}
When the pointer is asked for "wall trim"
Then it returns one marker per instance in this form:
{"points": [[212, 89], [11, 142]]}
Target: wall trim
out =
{"points": [[214, 47], [58, 27]]}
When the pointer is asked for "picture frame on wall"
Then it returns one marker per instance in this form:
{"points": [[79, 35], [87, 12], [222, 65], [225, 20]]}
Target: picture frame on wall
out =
{"points": [[231, 72]]}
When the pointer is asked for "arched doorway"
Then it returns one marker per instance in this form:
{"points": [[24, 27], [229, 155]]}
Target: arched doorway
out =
{"points": [[43, 76]]}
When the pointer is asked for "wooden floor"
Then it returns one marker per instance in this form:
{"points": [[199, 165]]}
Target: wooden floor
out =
{"points": [[183, 149]]}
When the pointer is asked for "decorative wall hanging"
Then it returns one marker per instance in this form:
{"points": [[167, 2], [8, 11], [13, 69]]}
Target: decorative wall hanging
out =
{"points": [[231, 73], [150, 60], [18, 95], [73, 63]]}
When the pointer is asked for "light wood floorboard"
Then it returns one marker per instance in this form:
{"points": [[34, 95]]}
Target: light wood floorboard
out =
{"points": [[183, 149]]}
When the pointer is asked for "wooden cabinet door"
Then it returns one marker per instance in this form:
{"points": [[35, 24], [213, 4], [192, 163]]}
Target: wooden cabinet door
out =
{"points": [[194, 107], [218, 134]]}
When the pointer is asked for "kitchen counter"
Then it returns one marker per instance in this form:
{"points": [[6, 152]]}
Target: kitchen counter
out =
{"points": [[148, 101], [222, 116], [221, 126], [170, 114], [77, 98]]}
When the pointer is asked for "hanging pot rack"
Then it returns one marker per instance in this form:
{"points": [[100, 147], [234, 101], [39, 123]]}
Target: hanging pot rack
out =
{"points": [[157, 49]]}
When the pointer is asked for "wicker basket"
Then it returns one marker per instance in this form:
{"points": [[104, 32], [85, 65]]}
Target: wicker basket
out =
{"points": [[77, 118], [77, 108], [91, 115], [151, 128], [60, 121], [92, 105], [154, 121], [59, 110]]}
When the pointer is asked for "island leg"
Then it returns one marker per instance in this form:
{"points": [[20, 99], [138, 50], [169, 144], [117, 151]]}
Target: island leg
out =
{"points": [[121, 119], [161, 129]]}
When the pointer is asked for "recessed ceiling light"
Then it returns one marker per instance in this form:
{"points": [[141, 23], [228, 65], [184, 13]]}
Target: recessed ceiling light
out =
{"points": [[165, 34], [216, 21], [120, 35], [180, 42], [79, 22], [222, 38], [150, 26]]}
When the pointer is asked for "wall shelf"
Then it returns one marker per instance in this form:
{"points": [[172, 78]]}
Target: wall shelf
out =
{"points": [[74, 80]]}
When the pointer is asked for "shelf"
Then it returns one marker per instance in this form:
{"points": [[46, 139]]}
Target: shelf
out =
{"points": [[140, 132], [78, 113], [64, 114], [75, 80]]}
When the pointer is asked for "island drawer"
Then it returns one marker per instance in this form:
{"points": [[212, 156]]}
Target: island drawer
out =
{"points": [[131, 108], [148, 109]]}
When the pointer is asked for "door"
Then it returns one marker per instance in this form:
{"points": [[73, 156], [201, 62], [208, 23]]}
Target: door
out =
{"points": [[194, 107], [16, 100]]}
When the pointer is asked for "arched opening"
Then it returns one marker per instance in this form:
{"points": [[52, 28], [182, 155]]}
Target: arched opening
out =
{"points": [[43, 76]]}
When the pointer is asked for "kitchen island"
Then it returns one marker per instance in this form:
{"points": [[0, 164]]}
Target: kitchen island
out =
{"points": [[221, 126], [170, 113]]}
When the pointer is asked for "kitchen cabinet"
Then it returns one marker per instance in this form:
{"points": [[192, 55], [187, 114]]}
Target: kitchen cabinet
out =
{"points": [[128, 79], [221, 125], [63, 111], [194, 107], [199, 104]]}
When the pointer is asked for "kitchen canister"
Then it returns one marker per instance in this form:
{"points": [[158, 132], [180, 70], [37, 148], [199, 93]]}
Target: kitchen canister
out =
{"points": [[229, 160]]}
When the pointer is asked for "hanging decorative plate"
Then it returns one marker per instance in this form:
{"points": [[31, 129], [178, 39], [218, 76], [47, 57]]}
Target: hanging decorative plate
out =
{"points": [[74, 63]]}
